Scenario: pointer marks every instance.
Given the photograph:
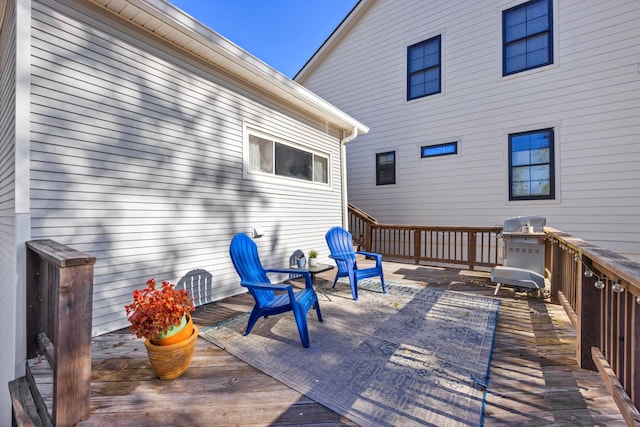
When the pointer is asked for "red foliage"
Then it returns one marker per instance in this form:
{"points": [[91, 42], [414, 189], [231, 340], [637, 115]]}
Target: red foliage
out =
{"points": [[155, 310]]}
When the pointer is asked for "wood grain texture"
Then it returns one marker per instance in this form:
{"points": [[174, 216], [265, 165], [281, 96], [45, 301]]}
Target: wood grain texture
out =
{"points": [[534, 377]]}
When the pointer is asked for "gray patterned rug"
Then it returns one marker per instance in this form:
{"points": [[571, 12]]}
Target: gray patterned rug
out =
{"points": [[415, 356]]}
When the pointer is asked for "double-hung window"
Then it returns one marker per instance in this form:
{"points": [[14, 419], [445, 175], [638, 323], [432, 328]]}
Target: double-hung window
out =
{"points": [[270, 157], [386, 168], [531, 165], [527, 36], [423, 68]]}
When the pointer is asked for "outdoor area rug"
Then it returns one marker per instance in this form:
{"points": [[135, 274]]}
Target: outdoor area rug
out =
{"points": [[415, 356]]}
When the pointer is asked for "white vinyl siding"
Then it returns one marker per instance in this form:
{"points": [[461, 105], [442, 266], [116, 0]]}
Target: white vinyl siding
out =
{"points": [[8, 256], [137, 160], [589, 96], [7, 170]]}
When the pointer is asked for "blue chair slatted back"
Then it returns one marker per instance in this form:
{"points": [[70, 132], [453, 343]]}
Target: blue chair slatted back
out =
{"points": [[340, 243], [244, 255]]}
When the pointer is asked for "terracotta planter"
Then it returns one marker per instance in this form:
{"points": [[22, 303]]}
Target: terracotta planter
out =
{"points": [[171, 361], [181, 333]]}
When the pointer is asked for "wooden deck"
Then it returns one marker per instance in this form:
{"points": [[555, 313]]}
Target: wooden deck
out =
{"points": [[534, 379]]}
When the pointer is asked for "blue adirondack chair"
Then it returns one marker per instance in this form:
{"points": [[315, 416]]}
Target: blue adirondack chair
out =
{"points": [[244, 254], [340, 243]]}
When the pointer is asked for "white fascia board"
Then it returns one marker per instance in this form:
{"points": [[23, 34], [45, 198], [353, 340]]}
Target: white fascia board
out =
{"points": [[354, 15]]}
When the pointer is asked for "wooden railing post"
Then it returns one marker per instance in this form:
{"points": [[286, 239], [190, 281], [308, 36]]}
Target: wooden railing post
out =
{"points": [[556, 273], [417, 246], [588, 313], [471, 249], [60, 289]]}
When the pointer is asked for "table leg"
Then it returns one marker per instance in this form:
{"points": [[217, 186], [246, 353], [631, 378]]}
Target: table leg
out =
{"points": [[313, 283]]}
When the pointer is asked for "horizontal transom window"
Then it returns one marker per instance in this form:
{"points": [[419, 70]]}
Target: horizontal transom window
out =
{"points": [[439, 149], [270, 157]]}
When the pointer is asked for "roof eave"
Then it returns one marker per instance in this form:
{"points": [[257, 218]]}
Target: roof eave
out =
{"points": [[172, 25], [354, 15]]}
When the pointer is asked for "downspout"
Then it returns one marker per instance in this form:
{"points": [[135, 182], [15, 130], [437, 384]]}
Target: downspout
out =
{"points": [[343, 175]]}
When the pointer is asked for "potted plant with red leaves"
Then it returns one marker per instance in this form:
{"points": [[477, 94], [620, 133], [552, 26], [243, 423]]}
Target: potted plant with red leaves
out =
{"points": [[161, 316]]}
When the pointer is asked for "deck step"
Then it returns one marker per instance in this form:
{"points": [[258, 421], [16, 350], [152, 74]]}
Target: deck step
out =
{"points": [[40, 379], [24, 408]]}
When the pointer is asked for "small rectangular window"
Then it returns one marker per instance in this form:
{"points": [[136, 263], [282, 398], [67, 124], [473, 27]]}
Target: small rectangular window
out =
{"points": [[531, 165], [386, 168], [270, 157], [423, 68], [439, 150], [527, 40]]}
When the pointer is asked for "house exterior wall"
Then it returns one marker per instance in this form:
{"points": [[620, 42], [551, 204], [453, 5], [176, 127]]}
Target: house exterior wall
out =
{"points": [[14, 193], [137, 159], [7, 204], [590, 96]]}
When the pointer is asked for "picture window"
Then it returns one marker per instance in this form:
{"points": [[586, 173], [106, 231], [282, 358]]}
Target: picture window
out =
{"points": [[270, 157]]}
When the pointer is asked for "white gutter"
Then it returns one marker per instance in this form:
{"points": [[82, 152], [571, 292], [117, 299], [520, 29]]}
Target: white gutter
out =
{"points": [[343, 175]]}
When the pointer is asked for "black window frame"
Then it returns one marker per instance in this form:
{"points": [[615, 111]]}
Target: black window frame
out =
{"points": [[453, 144], [411, 73], [528, 37], [381, 178], [550, 164]]}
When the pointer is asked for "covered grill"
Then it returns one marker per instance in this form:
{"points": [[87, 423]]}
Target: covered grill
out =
{"points": [[523, 245]]}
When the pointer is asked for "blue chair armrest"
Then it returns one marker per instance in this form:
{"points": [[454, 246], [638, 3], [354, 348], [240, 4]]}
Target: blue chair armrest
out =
{"points": [[289, 271], [266, 286], [307, 276], [369, 254], [377, 257]]}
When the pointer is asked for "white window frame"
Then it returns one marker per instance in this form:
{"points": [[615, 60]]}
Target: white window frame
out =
{"points": [[249, 174]]}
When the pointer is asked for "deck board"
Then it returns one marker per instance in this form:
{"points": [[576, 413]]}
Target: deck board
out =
{"points": [[534, 378]]}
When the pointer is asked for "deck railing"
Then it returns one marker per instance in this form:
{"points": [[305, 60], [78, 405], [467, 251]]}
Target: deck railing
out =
{"points": [[59, 303], [470, 246], [599, 289]]}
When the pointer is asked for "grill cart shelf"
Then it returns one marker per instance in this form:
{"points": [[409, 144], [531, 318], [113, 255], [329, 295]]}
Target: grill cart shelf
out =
{"points": [[523, 246]]}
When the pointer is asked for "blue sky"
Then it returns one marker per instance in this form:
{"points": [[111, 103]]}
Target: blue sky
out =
{"points": [[282, 33]]}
